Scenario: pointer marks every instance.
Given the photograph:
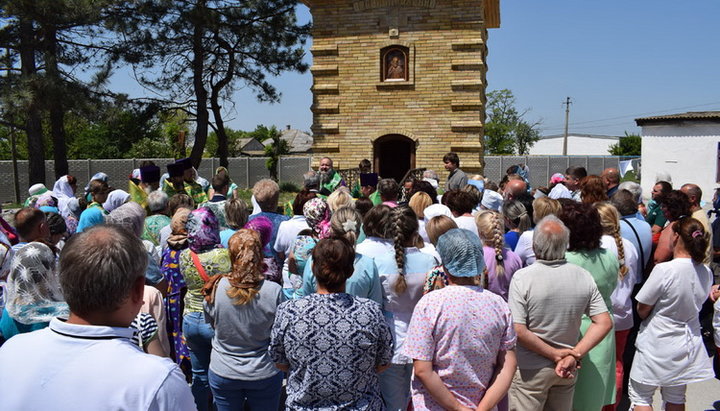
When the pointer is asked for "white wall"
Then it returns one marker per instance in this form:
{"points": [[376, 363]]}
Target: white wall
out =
{"points": [[577, 145], [687, 151]]}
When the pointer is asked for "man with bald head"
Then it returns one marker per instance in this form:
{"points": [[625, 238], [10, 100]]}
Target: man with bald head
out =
{"points": [[694, 193], [611, 177], [514, 188]]}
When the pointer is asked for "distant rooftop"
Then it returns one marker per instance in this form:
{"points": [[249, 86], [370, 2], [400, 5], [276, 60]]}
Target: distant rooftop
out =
{"points": [[299, 141], [713, 116], [598, 136]]}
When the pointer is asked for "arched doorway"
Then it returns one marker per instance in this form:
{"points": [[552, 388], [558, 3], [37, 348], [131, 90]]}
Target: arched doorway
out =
{"points": [[394, 155]]}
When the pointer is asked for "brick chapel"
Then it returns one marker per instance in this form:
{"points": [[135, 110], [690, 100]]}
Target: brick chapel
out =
{"points": [[400, 82]]}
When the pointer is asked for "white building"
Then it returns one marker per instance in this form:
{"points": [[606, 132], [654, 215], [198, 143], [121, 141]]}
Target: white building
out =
{"points": [[578, 145], [686, 146]]}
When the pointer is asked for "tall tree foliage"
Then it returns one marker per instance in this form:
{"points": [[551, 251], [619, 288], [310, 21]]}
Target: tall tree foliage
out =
{"points": [[630, 145], [206, 49], [506, 131], [49, 40], [274, 150]]}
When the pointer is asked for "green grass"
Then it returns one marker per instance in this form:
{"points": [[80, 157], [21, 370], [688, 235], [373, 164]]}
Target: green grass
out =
{"points": [[284, 196], [630, 176]]}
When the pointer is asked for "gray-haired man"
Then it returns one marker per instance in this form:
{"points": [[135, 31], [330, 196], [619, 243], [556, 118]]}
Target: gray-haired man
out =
{"points": [[88, 362], [547, 301]]}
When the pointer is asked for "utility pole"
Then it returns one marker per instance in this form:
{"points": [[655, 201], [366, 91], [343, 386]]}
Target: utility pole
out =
{"points": [[567, 118]]}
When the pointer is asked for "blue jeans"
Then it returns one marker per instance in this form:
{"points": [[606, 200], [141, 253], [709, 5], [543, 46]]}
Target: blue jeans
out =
{"points": [[231, 395], [395, 386], [199, 335]]}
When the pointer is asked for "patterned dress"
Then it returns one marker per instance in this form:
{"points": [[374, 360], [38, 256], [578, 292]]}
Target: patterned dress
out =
{"points": [[153, 225], [460, 329], [332, 343], [174, 307]]}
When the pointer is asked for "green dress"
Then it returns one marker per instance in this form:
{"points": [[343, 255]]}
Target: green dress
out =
{"points": [[595, 386]]}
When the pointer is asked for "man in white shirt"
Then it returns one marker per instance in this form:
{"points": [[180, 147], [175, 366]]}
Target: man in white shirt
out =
{"points": [[87, 362]]}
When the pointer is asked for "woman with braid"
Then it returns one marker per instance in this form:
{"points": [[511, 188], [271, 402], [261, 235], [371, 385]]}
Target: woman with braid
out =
{"points": [[621, 297], [501, 262], [402, 275]]}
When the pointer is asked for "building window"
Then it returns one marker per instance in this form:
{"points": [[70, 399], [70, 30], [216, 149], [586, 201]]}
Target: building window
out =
{"points": [[394, 63]]}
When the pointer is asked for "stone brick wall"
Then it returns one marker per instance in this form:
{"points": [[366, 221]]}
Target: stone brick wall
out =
{"points": [[440, 107]]}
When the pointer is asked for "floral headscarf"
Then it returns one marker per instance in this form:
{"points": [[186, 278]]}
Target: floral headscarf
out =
{"points": [[263, 226], [46, 200], [203, 231], [245, 248], [317, 215], [178, 237], [33, 293]]}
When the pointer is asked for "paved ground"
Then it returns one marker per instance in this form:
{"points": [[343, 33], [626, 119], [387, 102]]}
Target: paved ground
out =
{"points": [[701, 396]]}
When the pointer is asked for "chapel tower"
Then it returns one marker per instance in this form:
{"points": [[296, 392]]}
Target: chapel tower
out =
{"points": [[400, 82]]}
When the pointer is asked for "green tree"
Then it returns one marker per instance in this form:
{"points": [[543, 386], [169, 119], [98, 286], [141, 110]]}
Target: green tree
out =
{"points": [[215, 47], [630, 146], [233, 139], [506, 132], [276, 148]]}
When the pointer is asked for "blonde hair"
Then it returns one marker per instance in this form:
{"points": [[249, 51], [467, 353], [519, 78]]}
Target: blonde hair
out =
{"points": [[267, 193], [544, 206], [340, 223], [339, 198], [438, 226], [610, 221], [419, 202], [490, 226]]}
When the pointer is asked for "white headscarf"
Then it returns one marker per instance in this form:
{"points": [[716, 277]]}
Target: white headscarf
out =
{"points": [[64, 193], [33, 293], [115, 199], [129, 215]]}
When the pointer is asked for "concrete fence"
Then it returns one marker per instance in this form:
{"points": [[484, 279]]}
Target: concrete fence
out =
{"points": [[246, 171]]}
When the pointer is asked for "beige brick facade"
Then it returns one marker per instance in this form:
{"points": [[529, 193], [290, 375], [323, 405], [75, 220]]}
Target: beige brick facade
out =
{"points": [[439, 108]]}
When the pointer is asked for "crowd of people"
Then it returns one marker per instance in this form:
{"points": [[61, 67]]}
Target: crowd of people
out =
{"points": [[355, 295]]}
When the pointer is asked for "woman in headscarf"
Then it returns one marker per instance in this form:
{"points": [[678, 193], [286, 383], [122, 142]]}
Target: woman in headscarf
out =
{"points": [[264, 227], [64, 190], [461, 338], [242, 313], [177, 288], [132, 216], [32, 294], [115, 199], [203, 258], [317, 216], [47, 203]]}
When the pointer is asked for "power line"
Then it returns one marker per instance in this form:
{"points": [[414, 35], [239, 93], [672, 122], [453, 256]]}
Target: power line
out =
{"points": [[634, 115]]}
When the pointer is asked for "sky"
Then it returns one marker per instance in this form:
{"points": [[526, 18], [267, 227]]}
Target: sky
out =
{"points": [[616, 59]]}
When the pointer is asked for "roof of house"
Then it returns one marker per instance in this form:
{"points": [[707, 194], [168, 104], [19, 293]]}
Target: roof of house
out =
{"points": [[598, 136], [299, 141], [713, 116]]}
